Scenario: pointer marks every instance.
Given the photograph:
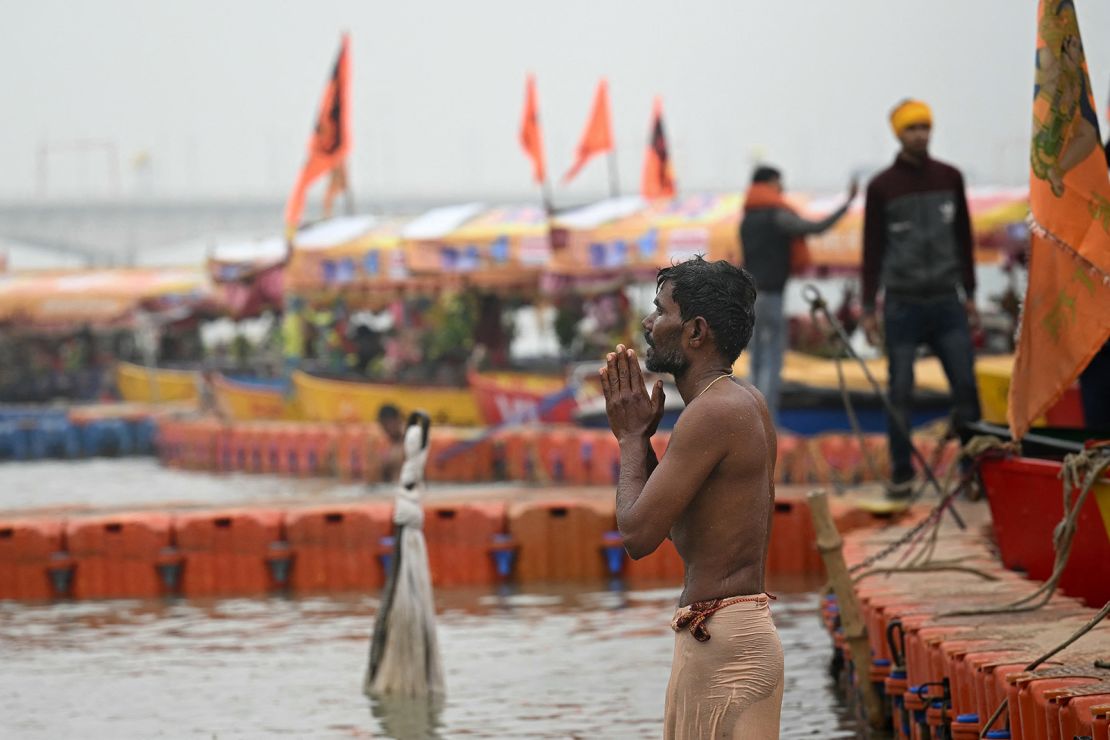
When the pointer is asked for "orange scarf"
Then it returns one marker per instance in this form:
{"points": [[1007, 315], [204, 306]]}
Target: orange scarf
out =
{"points": [[760, 197]]}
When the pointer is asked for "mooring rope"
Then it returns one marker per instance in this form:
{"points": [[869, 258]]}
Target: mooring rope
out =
{"points": [[973, 449], [1080, 471]]}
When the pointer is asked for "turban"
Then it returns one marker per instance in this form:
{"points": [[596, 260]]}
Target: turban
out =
{"points": [[910, 113]]}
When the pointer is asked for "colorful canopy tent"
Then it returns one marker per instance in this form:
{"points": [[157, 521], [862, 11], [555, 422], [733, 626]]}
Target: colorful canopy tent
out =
{"points": [[231, 261], [499, 248], [102, 298], [357, 258], [251, 275], [624, 238]]}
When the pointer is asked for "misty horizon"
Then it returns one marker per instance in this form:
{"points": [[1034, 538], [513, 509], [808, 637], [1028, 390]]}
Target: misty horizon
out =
{"points": [[199, 109]]}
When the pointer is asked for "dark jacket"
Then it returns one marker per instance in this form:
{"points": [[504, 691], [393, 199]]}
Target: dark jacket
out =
{"points": [[917, 239], [765, 238]]}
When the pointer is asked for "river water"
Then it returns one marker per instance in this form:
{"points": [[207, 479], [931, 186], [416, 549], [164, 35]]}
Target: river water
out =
{"points": [[558, 662]]}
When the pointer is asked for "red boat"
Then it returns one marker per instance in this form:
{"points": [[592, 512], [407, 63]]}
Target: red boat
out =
{"points": [[1027, 502], [510, 397]]}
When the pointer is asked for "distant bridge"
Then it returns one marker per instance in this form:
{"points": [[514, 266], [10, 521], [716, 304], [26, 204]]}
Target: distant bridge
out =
{"points": [[106, 233]]}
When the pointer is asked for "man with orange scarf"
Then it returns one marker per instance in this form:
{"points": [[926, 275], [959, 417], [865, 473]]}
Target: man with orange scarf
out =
{"points": [[773, 236]]}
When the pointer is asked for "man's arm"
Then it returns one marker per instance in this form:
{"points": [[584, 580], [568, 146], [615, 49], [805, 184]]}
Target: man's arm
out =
{"points": [[965, 239], [648, 506], [795, 225], [645, 520], [874, 237]]}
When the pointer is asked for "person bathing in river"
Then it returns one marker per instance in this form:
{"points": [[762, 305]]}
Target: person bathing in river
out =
{"points": [[712, 494]]}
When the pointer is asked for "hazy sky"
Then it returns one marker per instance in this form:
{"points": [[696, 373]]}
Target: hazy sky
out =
{"points": [[222, 95]]}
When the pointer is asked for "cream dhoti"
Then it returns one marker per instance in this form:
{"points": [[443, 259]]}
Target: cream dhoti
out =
{"points": [[727, 674]]}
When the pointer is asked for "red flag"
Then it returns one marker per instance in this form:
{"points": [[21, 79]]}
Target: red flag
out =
{"points": [[658, 178], [530, 137], [337, 183], [331, 139], [1064, 318], [598, 136]]}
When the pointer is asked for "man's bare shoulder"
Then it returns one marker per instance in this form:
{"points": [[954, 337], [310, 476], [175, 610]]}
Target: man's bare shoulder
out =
{"points": [[762, 412], [756, 395], [739, 406]]}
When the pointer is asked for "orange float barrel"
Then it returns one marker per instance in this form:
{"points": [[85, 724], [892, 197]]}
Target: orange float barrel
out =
{"points": [[558, 456], [966, 710], [992, 686], [844, 455], [238, 435], [1076, 713], [1100, 715], [201, 445], [449, 457], [169, 442], [351, 452], [258, 447], [601, 458], [460, 538], [516, 455], [308, 457], [359, 451], [788, 446], [302, 460], [664, 564], [223, 454], [285, 439], [875, 448], [336, 548], [322, 449], [793, 549], [254, 442], [118, 556], [1030, 694], [560, 540], [30, 552], [227, 552]]}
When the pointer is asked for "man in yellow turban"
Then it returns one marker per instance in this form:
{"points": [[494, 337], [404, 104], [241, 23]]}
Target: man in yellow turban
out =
{"points": [[917, 247], [910, 113]]}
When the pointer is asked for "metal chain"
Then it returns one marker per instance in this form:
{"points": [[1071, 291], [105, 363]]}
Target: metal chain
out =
{"points": [[909, 535]]}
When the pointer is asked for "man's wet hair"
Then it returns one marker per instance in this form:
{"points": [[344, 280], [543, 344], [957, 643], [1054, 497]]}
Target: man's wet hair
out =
{"points": [[766, 174], [721, 293], [388, 412]]}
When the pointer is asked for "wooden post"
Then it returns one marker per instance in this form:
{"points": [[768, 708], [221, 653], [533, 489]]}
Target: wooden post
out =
{"points": [[830, 546]]}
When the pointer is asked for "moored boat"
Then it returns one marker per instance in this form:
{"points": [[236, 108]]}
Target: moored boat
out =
{"points": [[252, 400], [325, 399], [521, 397], [138, 384], [1027, 505]]}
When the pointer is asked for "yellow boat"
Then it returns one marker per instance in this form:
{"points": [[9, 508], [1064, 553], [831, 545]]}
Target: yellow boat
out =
{"points": [[322, 399], [820, 372], [993, 377], [243, 401], [138, 384]]}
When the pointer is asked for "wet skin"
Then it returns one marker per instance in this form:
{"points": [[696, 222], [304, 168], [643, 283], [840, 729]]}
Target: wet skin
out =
{"points": [[712, 492]]}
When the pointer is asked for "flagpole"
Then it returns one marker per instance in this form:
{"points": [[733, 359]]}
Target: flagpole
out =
{"points": [[546, 190], [614, 178], [545, 185]]}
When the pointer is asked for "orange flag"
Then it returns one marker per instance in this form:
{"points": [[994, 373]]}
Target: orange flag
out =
{"points": [[658, 178], [330, 141], [598, 136], [530, 137], [1066, 316]]}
